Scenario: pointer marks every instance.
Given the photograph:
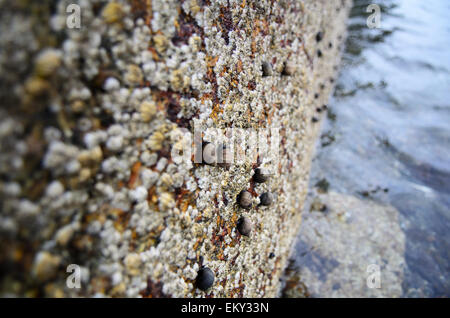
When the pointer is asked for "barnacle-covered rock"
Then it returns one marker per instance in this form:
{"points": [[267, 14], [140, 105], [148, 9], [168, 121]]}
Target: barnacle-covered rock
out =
{"points": [[101, 127]]}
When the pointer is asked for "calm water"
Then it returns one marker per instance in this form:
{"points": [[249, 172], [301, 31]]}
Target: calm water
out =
{"points": [[387, 135]]}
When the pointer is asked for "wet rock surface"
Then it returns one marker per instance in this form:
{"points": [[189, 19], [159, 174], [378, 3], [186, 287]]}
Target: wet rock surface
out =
{"points": [[338, 248]]}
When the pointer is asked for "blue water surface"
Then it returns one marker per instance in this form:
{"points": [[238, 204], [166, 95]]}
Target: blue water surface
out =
{"points": [[387, 135]]}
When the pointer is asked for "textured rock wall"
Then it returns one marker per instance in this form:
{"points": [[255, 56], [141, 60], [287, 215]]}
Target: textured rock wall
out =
{"points": [[89, 120]]}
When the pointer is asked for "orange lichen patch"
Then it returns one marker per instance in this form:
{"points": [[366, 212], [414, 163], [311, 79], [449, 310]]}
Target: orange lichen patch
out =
{"points": [[133, 234], [224, 71], [210, 73], [146, 242], [99, 216], [204, 97], [249, 116], [263, 26], [184, 198], [155, 55], [218, 221], [211, 61], [114, 212], [152, 197], [269, 118], [160, 229], [237, 292], [83, 242], [220, 256], [100, 284], [239, 67], [215, 111], [119, 226], [134, 174], [213, 115], [253, 46], [218, 237], [118, 290], [197, 243], [234, 218], [122, 219], [199, 217], [243, 4], [255, 29], [252, 189], [184, 206], [17, 254]]}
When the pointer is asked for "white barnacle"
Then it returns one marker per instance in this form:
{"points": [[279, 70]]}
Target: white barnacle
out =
{"points": [[45, 265], [147, 110], [114, 143], [134, 75], [47, 62], [166, 201], [139, 194], [54, 189], [155, 141], [64, 234], [162, 163], [111, 84], [166, 180]]}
